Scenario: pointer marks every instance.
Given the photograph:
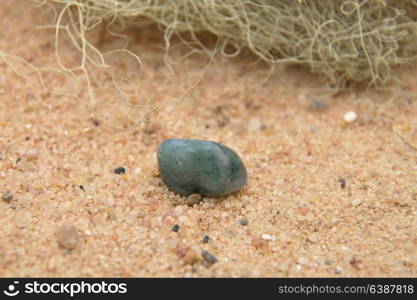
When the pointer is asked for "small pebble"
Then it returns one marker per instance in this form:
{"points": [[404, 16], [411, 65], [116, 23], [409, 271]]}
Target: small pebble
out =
{"points": [[7, 196], [206, 239], [356, 263], [95, 122], [314, 237], [342, 182], [138, 171], [31, 154], [350, 117], [175, 228], [120, 170], [244, 221], [169, 218], [208, 257], [193, 199], [182, 250], [266, 237], [67, 237], [179, 210], [356, 202]]}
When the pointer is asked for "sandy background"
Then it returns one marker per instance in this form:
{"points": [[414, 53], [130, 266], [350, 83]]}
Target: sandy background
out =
{"points": [[289, 132]]}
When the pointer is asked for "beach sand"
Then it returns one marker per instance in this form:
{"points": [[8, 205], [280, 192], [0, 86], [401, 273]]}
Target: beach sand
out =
{"points": [[324, 197]]}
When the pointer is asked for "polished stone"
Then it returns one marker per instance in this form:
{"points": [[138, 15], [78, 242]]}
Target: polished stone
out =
{"points": [[200, 167]]}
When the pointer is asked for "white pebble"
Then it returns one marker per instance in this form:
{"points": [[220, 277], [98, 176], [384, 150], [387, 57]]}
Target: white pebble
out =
{"points": [[179, 210], [356, 202], [350, 117], [206, 205], [138, 171], [266, 237], [182, 219]]}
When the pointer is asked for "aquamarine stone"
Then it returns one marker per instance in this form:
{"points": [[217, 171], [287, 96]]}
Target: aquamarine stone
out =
{"points": [[200, 167]]}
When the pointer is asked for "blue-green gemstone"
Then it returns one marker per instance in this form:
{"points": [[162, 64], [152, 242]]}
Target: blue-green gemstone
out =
{"points": [[200, 167]]}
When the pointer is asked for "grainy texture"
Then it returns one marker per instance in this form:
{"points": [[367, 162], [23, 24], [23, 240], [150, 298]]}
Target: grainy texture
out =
{"points": [[52, 145]]}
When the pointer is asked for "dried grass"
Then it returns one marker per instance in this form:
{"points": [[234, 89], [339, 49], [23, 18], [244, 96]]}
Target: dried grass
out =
{"points": [[344, 40]]}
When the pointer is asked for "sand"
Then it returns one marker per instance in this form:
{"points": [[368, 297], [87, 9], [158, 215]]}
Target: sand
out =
{"points": [[324, 197]]}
